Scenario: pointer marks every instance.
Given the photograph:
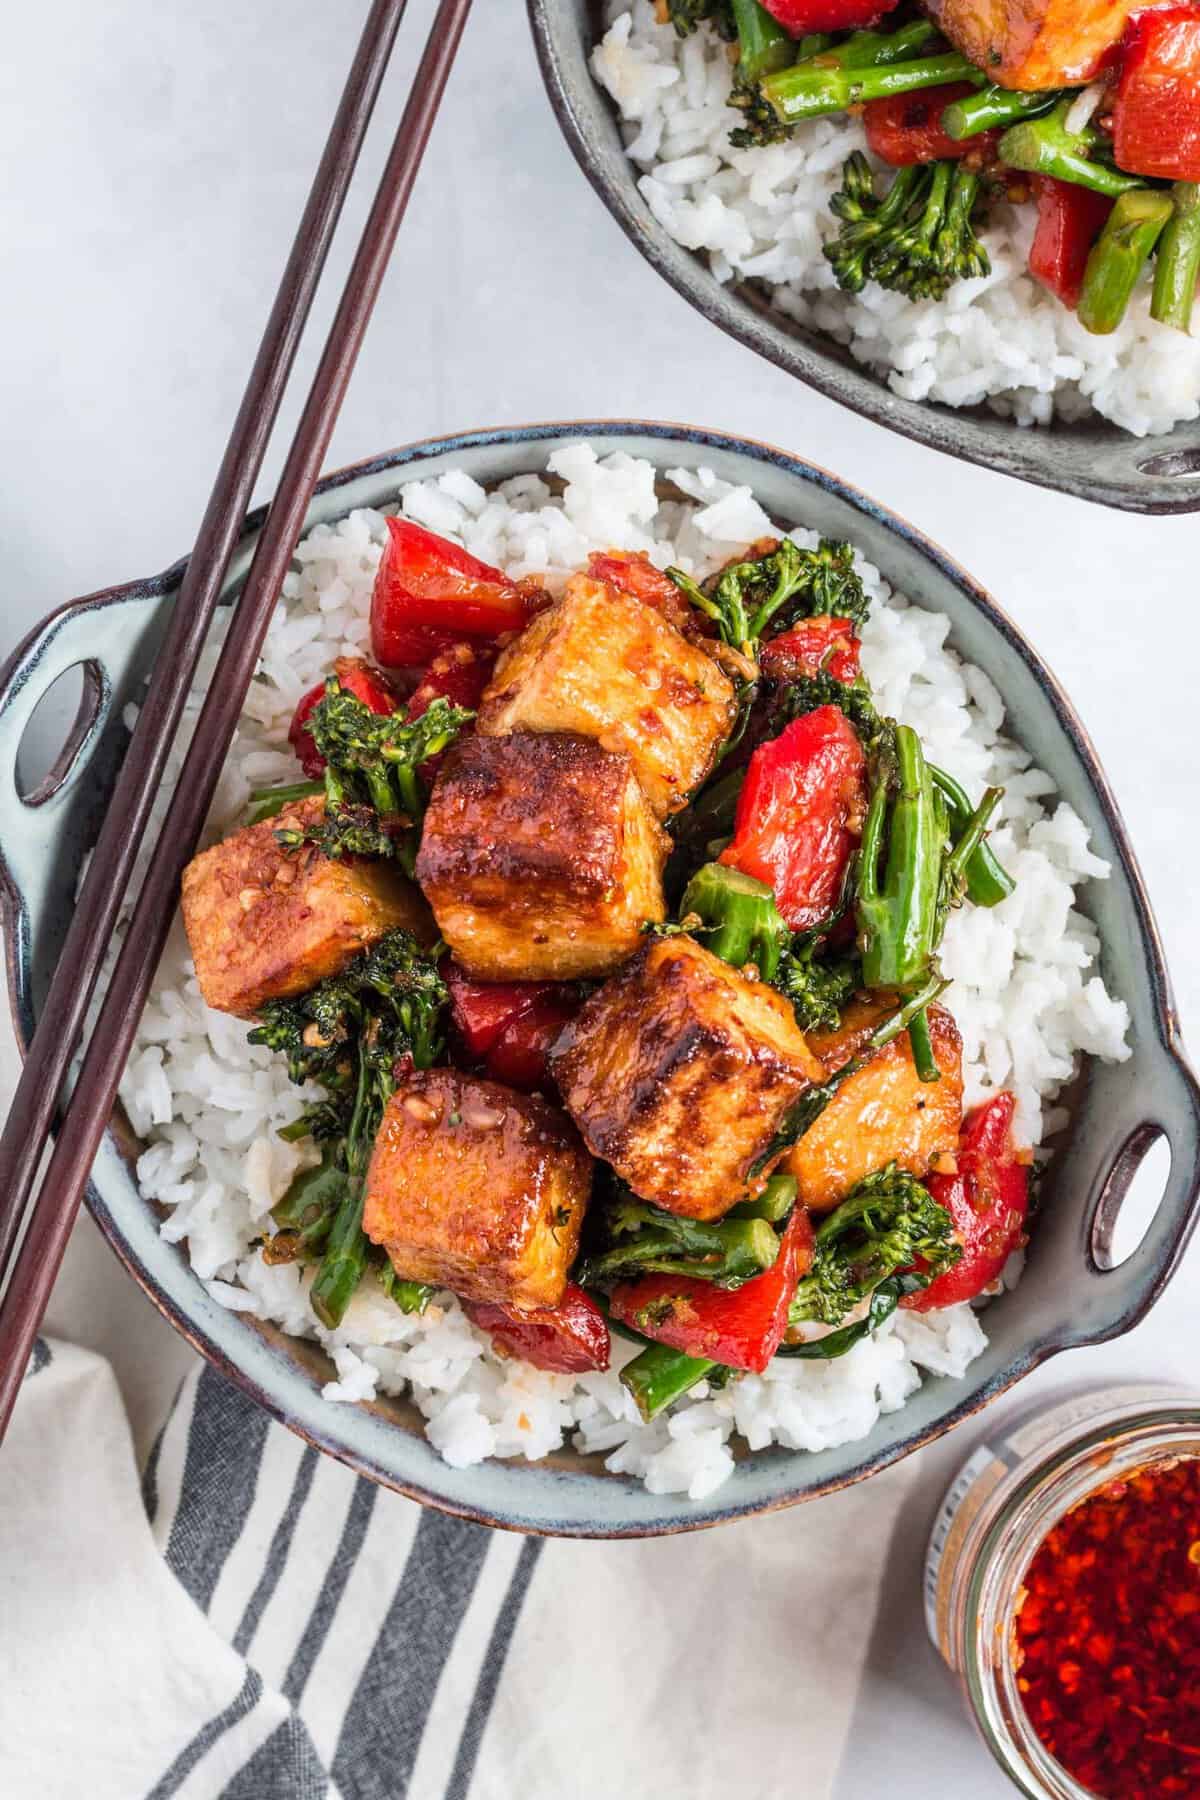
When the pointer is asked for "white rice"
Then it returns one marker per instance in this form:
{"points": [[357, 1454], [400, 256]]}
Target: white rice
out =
{"points": [[761, 215], [1026, 995]]}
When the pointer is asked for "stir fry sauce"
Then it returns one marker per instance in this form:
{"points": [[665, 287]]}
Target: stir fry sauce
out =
{"points": [[1107, 1637]]}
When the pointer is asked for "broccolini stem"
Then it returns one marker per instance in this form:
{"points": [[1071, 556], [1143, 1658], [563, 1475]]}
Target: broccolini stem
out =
{"points": [[988, 882], [995, 106], [1045, 147], [310, 1205], [739, 920], [1177, 264], [872, 49], [410, 1296], [267, 803], [809, 90], [727, 1253], [763, 44], [344, 1262], [773, 1204], [922, 1048], [900, 870], [1119, 255], [660, 1375]]}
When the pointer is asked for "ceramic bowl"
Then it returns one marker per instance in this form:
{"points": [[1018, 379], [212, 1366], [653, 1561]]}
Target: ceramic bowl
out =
{"points": [[1067, 1297], [1092, 459]]}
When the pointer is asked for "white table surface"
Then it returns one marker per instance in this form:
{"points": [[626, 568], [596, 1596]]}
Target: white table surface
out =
{"points": [[154, 155]]}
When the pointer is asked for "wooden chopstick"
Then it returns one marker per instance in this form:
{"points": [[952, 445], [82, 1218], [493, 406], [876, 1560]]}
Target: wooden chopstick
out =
{"points": [[127, 817], [89, 1109]]}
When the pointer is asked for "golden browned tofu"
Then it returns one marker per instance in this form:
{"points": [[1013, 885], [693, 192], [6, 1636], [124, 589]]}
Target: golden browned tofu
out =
{"points": [[1034, 43], [606, 665], [883, 1114], [478, 1189], [264, 922], [679, 1072], [540, 857]]}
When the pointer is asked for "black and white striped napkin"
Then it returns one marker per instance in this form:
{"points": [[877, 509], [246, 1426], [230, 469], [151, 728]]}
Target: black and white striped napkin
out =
{"points": [[260, 1624]]}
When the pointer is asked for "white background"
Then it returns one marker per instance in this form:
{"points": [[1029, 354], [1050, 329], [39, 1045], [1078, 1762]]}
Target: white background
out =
{"points": [[154, 156]]}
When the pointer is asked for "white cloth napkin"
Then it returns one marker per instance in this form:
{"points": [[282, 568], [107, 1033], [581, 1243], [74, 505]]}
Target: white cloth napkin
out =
{"points": [[256, 1623]]}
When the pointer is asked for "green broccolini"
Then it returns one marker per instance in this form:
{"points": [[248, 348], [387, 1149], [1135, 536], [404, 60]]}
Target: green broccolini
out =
{"points": [[918, 239], [630, 1238], [889, 1223], [372, 788], [786, 583], [818, 988], [349, 1035]]}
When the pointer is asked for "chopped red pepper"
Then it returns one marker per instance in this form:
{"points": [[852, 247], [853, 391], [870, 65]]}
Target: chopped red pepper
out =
{"points": [[510, 1026], [459, 675], [429, 593], [632, 572], [987, 1199], [1107, 1636], [907, 128], [1070, 219], [1156, 114], [568, 1339], [799, 17], [358, 678], [798, 814], [740, 1327], [813, 645]]}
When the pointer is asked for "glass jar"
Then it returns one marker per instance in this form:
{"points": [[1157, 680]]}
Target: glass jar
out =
{"points": [[1008, 1494]]}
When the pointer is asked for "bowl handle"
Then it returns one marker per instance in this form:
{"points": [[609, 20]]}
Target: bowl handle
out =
{"points": [[1175, 1117], [76, 635]]}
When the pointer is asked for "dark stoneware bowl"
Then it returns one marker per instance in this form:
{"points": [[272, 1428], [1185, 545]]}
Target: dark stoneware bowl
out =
{"points": [[1068, 1295], [1092, 459]]}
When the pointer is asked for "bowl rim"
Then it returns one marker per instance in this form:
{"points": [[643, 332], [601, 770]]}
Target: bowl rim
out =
{"points": [[543, 436], [1120, 475]]}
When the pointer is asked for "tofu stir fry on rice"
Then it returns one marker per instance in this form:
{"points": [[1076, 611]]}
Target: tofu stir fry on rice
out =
{"points": [[597, 954]]}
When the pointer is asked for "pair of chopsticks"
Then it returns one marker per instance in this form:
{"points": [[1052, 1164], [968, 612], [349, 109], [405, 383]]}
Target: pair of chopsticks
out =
{"points": [[36, 1216]]}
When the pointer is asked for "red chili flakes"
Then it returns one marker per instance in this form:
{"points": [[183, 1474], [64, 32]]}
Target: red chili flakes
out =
{"points": [[1108, 1637]]}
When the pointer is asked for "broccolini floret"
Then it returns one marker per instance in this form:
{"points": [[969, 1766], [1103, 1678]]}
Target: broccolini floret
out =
{"points": [[351, 1034], [782, 585], [889, 1223], [918, 239]]}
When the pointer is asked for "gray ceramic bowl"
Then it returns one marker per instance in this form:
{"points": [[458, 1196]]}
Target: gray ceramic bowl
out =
{"points": [[1067, 1296], [1092, 460]]}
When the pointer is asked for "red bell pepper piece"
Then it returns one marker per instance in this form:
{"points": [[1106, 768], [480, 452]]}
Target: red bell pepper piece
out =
{"points": [[813, 645], [429, 593], [988, 1200], [799, 17], [907, 128], [798, 813], [1070, 219], [359, 679], [1156, 114], [740, 1327], [510, 1025], [632, 572], [568, 1339], [459, 675]]}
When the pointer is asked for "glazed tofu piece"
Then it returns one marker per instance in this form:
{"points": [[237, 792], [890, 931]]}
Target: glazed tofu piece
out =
{"points": [[1034, 43], [478, 1189], [265, 922], [885, 1113], [540, 857], [604, 664], [679, 1072]]}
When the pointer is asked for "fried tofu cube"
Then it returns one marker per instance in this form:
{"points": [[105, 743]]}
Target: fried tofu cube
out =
{"points": [[882, 1114], [604, 664], [1034, 43], [265, 922], [540, 857], [679, 1072], [478, 1189]]}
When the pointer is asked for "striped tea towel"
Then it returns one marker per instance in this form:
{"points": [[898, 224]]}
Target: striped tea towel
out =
{"points": [[260, 1624]]}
